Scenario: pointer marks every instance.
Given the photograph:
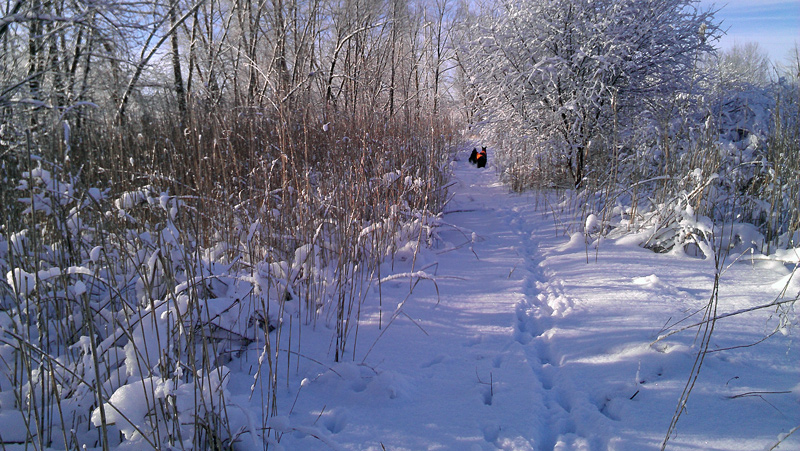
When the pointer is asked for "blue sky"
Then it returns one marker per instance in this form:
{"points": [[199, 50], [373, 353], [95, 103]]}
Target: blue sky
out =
{"points": [[774, 24]]}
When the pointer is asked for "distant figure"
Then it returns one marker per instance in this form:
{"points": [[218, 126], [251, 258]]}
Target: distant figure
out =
{"points": [[481, 160], [473, 157]]}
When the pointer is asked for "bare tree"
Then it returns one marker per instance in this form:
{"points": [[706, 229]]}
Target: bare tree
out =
{"points": [[148, 52], [743, 65]]}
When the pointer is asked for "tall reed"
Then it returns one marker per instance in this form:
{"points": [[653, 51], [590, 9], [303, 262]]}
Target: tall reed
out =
{"points": [[144, 264]]}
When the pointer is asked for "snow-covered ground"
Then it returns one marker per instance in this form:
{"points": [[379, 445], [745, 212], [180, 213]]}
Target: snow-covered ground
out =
{"points": [[511, 334], [516, 342]]}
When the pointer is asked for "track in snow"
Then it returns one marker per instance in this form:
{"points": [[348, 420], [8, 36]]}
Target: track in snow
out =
{"points": [[558, 411], [521, 345]]}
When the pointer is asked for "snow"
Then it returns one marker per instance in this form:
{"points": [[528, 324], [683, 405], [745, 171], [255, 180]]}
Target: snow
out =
{"points": [[513, 332], [521, 344]]}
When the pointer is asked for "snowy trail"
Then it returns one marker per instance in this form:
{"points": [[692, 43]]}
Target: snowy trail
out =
{"points": [[476, 387], [556, 413], [459, 366], [522, 345]]}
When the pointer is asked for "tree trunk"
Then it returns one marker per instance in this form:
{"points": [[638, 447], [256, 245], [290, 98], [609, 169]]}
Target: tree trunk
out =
{"points": [[34, 47], [281, 64], [580, 164], [180, 94]]}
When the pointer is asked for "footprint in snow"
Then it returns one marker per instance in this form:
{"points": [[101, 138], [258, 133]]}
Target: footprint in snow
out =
{"points": [[335, 420], [497, 362], [435, 361], [491, 431], [486, 395]]}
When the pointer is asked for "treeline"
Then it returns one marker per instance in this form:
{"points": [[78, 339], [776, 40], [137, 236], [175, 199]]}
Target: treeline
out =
{"points": [[630, 104], [201, 97], [130, 64]]}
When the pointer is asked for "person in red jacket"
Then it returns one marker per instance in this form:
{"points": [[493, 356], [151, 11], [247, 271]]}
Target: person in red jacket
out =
{"points": [[481, 160]]}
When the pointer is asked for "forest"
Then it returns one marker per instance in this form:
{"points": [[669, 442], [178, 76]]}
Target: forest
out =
{"points": [[185, 180]]}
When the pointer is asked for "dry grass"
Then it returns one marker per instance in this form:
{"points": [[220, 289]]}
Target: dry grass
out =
{"points": [[153, 256]]}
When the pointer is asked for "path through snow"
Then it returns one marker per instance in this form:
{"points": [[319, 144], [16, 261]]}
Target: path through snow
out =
{"points": [[523, 345]]}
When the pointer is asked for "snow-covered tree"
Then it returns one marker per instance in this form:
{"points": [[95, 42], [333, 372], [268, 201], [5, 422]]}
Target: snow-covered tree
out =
{"points": [[744, 64], [560, 71]]}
